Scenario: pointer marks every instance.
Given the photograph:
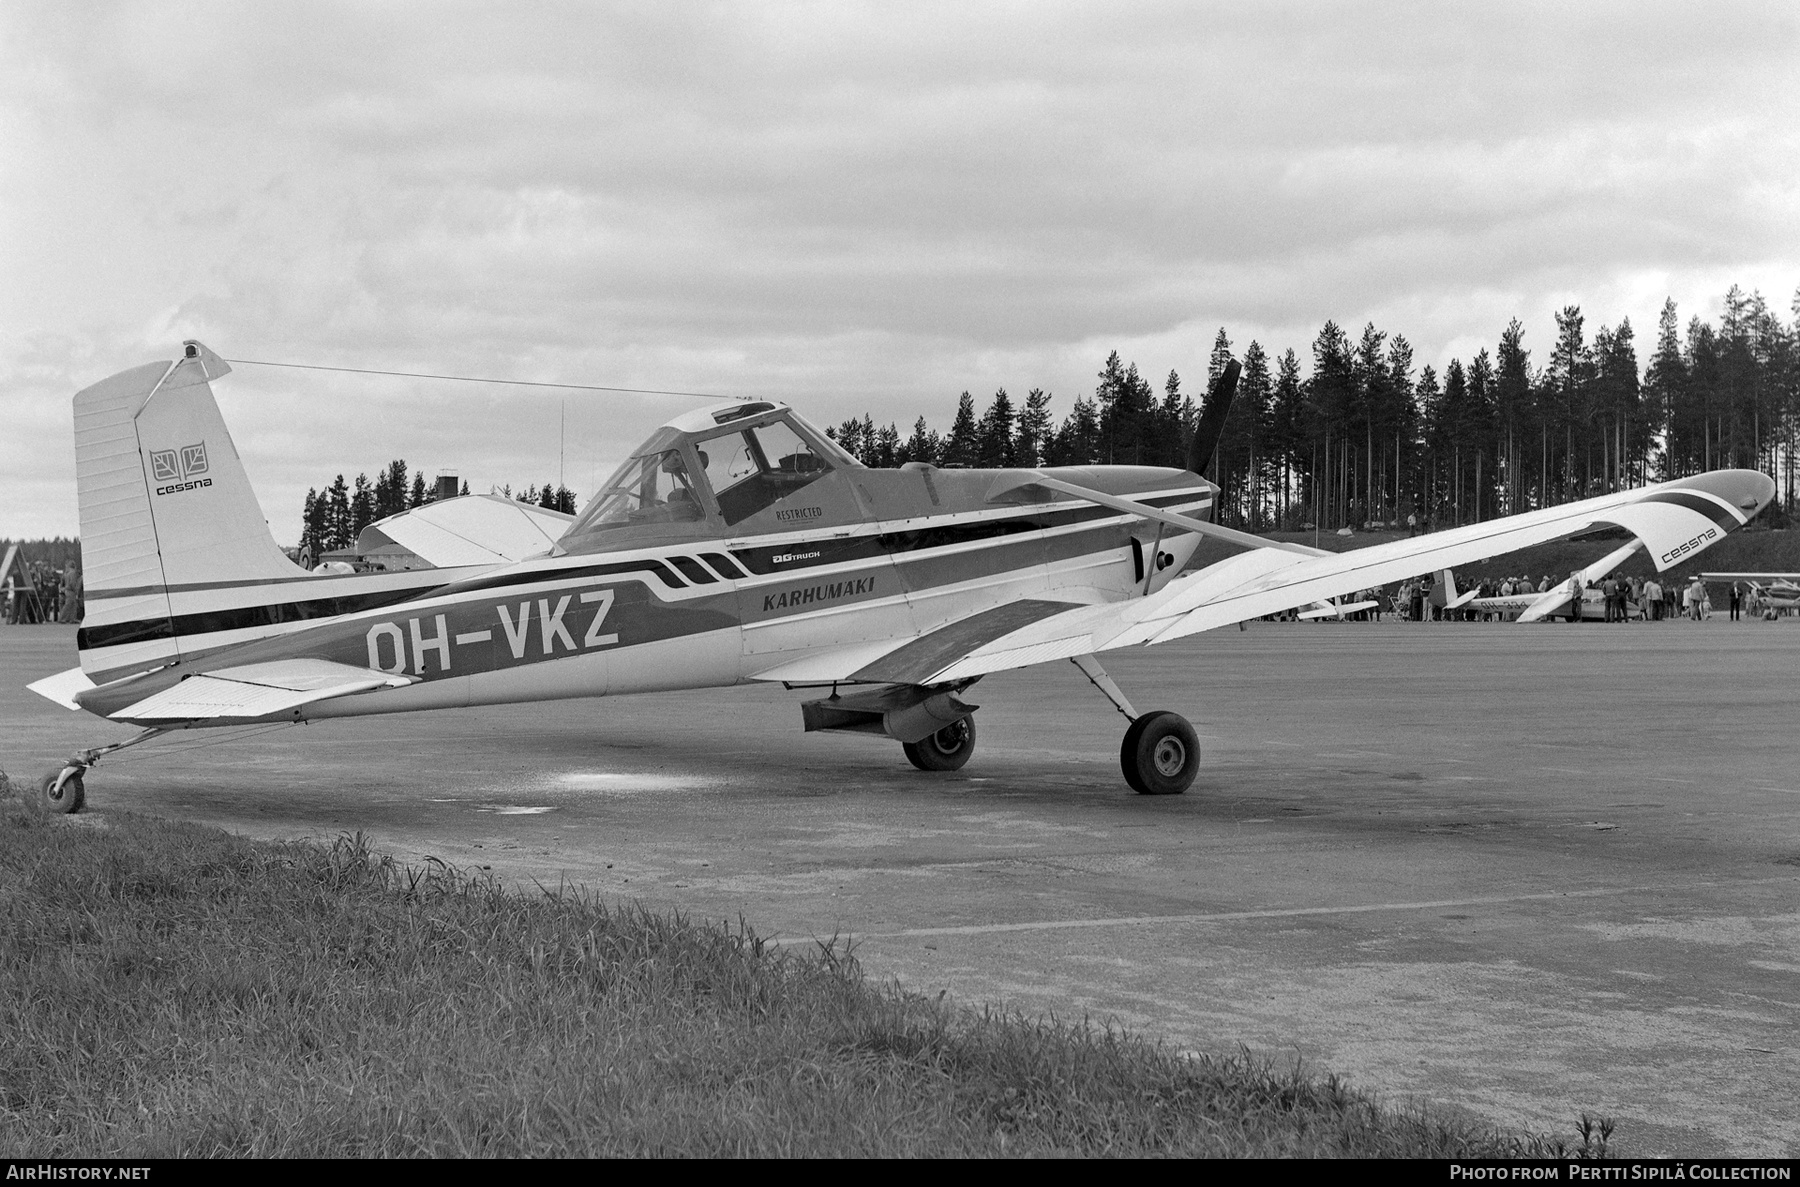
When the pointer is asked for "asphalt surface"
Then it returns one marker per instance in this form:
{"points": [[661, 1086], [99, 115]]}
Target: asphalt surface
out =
{"points": [[1528, 871]]}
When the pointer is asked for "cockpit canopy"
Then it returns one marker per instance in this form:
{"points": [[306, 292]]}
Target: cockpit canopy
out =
{"points": [[711, 469]]}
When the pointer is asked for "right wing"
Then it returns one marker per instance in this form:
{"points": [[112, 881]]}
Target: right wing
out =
{"points": [[1673, 520]]}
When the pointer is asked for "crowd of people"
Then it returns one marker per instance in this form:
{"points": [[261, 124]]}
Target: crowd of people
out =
{"points": [[50, 594], [1621, 598]]}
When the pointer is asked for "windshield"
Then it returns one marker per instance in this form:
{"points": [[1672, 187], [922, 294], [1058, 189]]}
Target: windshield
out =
{"points": [[749, 469]]}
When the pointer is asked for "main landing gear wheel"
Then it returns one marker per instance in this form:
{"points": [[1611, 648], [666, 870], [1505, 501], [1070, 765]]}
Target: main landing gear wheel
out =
{"points": [[946, 750], [1160, 754], [65, 798]]}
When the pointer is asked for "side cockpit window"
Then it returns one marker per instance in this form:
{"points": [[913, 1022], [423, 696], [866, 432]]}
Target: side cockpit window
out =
{"points": [[750, 469], [651, 488]]}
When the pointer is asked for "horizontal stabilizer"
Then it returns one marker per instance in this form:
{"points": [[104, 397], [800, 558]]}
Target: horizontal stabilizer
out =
{"points": [[1452, 599], [62, 687], [254, 691], [1332, 610]]}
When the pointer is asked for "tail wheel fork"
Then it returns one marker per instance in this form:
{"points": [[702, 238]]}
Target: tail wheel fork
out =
{"points": [[1161, 752], [63, 791]]}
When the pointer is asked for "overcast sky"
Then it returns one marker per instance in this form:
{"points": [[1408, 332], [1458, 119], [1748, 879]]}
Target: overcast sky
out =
{"points": [[851, 207]]}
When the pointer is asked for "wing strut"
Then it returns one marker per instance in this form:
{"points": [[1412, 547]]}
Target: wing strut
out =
{"points": [[1156, 514], [1090, 667]]}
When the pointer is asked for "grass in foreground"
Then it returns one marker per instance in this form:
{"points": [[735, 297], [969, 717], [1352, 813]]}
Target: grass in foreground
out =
{"points": [[168, 990]]}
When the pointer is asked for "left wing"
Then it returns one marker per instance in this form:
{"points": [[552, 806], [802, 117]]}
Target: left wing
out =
{"points": [[1673, 520], [469, 530], [253, 691]]}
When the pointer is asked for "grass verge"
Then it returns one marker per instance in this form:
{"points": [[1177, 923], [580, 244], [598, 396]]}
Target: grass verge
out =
{"points": [[171, 991]]}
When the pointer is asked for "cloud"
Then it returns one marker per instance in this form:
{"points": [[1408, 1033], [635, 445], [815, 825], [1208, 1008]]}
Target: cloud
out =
{"points": [[859, 207]]}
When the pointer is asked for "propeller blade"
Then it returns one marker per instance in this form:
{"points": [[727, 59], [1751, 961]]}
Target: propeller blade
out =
{"points": [[1212, 420]]}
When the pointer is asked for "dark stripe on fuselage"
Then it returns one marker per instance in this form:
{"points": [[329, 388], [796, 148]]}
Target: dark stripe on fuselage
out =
{"points": [[693, 570], [574, 573], [722, 565], [243, 618]]}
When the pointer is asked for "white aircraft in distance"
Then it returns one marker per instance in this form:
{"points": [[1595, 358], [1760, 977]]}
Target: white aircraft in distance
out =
{"points": [[1778, 593], [737, 545], [1574, 599]]}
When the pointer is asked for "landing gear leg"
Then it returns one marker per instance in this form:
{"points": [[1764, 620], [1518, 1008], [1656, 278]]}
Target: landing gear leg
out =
{"points": [[63, 790], [1161, 752]]}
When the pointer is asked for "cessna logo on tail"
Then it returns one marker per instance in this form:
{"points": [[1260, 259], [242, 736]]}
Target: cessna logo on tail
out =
{"points": [[178, 466]]}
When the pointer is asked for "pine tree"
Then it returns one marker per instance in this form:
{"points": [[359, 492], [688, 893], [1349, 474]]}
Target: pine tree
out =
{"points": [[362, 508], [1452, 436], [1171, 426], [337, 516], [309, 512], [1567, 380], [390, 490], [1287, 420], [1330, 402], [1077, 442], [994, 434], [417, 497], [1428, 398], [1513, 391], [923, 446], [886, 452], [961, 450], [1035, 428], [1251, 411], [1107, 393], [849, 436]]}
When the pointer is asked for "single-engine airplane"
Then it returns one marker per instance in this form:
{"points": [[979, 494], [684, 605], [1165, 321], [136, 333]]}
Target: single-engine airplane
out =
{"points": [[1771, 594], [738, 544], [1575, 599]]}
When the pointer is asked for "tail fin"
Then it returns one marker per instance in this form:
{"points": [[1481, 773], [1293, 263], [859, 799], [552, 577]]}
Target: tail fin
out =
{"points": [[165, 506], [1451, 600], [1212, 420]]}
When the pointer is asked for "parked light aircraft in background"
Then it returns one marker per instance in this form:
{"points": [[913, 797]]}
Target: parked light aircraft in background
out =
{"points": [[1769, 592], [1574, 599], [737, 545]]}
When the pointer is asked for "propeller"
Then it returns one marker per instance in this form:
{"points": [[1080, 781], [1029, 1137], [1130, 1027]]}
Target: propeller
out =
{"points": [[1212, 420]]}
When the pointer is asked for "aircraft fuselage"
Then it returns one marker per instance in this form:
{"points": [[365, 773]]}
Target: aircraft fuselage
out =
{"points": [[872, 556]]}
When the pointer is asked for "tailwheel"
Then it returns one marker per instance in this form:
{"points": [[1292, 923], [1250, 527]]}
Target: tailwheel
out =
{"points": [[1160, 754], [61, 791], [946, 750]]}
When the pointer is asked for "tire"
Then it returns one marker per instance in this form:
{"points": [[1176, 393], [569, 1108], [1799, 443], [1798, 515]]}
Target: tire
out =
{"points": [[65, 801], [946, 750], [1160, 754]]}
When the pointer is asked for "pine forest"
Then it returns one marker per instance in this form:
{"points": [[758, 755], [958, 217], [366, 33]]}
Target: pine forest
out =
{"points": [[1356, 435]]}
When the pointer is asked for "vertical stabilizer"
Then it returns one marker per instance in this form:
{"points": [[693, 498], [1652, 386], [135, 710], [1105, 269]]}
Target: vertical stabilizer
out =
{"points": [[165, 506]]}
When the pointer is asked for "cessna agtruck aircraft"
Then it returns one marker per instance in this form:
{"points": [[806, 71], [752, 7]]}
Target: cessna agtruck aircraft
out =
{"points": [[737, 545]]}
